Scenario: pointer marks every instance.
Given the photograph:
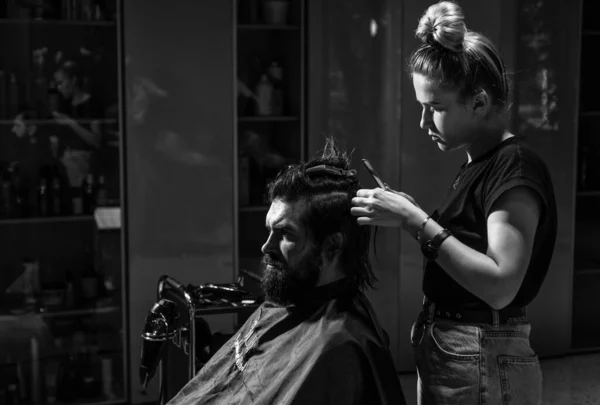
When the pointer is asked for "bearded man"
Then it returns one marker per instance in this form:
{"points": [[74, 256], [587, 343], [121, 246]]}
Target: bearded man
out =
{"points": [[315, 339]]}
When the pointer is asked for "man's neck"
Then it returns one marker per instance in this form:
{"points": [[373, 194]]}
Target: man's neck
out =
{"points": [[330, 275]]}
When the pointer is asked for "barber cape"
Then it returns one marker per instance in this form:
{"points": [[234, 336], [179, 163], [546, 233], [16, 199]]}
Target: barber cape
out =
{"points": [[329, 349]]}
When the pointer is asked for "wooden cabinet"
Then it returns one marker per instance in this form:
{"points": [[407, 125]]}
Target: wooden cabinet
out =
{"points": [[270, 111]]}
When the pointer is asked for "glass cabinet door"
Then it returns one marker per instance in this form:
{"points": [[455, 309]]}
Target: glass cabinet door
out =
{"points": [[61, 312]]}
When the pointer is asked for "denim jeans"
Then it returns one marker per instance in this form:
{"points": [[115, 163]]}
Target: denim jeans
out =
{"points": [[460, 363]]}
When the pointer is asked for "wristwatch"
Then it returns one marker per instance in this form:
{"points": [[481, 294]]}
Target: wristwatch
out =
{"points": [[430, 248]]}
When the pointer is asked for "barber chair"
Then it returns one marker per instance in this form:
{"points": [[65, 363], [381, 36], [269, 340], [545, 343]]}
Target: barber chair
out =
{"points": [[177, 340]]}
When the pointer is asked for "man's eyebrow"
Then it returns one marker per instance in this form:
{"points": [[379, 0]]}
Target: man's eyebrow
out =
{"points": [[285, 226]]}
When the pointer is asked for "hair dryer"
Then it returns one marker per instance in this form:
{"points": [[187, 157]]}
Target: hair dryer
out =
{"points": [[158, 329]]}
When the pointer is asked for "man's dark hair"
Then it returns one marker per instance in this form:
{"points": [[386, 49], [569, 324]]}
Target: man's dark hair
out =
{"points": [[328, 196]]}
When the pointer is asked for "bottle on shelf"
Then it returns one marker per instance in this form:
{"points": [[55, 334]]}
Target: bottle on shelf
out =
{"points": [[107, 378], [88, 194], [90, 282], [50, 366], [264, 96], [7, 197], [43, 196], [69, 379], [275, 12], [87, 10], [32, 284], [3, 96], [70, 290], [275, 73], [11, 383], [20, 193], [91, 372], [56, 186], [53, 99], [101, 192], [13, 96]]}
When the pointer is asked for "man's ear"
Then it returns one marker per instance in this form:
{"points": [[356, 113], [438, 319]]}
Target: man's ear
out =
{"points": [[482, 103], [332, 245]]}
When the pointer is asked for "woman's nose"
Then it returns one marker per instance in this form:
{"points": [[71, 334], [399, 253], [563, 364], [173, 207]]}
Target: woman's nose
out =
{"points": [[426, 117]]}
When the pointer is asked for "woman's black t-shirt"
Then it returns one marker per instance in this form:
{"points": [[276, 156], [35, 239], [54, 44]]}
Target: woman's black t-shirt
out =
{"points": [[467, 204]]}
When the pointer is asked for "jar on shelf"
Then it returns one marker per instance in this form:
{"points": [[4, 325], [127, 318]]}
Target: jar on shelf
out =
{"points": [[275, 12]]}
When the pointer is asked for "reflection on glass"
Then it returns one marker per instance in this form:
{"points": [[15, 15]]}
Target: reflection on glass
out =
{"points": [[61, 315], [535, 84]]}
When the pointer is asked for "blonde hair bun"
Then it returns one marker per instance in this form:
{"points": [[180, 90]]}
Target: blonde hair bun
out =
{"points": [[443, 23]]}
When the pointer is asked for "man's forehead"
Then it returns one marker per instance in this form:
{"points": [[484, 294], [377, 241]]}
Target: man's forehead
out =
{"points": [[285, 214]]}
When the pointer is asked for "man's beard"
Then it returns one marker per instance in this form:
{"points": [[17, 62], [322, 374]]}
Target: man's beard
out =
{"points": [[285, 285]]}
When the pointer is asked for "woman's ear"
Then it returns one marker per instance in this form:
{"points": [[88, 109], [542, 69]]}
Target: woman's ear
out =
{"points": [[482, 103]]}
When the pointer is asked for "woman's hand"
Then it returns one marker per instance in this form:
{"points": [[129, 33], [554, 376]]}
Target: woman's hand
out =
{"points": [[389, 208]]}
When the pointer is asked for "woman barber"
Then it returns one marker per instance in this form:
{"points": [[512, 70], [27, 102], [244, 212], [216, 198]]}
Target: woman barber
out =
{"points": [[488, 244]]}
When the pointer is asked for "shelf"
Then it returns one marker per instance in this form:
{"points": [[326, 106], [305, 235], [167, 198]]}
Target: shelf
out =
{"points": [[49, 121], [92, 402], [46, 220], [254, 208], [24, 21], [70, 313], [80, 312], [589, 114], [268, 119], [591, 193], [587, 272], [267, 27]]}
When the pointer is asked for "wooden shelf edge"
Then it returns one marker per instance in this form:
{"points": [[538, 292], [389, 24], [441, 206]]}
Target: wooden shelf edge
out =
{"points": [[268, 119], [82, 23], [268, 27], [46, 220], [5, 121], [254, 208], [71, 312], [590, 193], [587, 271], [589, 113]]}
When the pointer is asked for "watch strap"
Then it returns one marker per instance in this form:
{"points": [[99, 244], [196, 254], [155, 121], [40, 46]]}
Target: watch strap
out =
{"points": [[430, 248], [437, 240]]}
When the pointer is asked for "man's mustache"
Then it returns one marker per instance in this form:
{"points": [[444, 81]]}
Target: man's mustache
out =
{"points": [[268, 260]]}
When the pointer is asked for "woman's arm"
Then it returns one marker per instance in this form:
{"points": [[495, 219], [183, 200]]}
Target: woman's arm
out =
{"points": [[494, 277], [91, 137]]}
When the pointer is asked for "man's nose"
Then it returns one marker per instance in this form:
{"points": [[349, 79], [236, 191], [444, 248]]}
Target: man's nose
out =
{"points": [[268, 246]]}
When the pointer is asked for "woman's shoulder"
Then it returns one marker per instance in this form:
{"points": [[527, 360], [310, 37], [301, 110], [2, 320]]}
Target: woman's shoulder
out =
{"points": [[517, 150]]}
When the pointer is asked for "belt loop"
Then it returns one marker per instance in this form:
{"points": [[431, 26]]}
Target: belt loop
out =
{"points": [[495, 317], [431, 313]]}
